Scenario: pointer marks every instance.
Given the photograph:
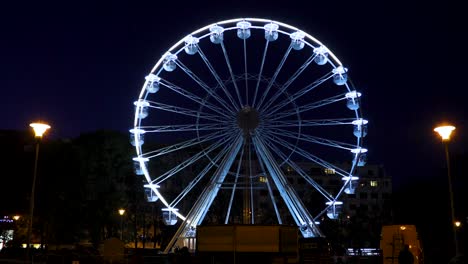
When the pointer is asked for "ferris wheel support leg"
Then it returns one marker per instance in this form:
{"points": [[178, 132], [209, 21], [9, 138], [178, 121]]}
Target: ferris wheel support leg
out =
{"points": [[188, 228], [300, 214]]}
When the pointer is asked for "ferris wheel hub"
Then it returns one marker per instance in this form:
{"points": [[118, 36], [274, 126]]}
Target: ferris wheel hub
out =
{"points": [[248, 119]]}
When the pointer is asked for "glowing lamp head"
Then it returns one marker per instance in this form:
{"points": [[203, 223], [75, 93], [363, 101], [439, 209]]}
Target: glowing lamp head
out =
{"points": [[121, 211], [39, 129], [16, 217], [457, 223], [444, 132]]}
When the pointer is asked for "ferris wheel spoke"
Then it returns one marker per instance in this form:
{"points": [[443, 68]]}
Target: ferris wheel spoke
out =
{"points": [[184, 144], [195, 98], [277, 177], [293, 77], [307, 155], [260, 72], [299, 212], [208, 195], [218, 79], [245, 73], [309, 123], [307, 107], [275, 75], [298, 94], [204, 85], [190, 161], [234, 187], [299, 170], [185, 128], [313, 139], [197, 178], [231, 72], [183, 111], [270, 191], [204, 201]]}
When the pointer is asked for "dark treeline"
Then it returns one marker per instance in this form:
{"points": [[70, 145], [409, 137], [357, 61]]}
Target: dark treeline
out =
{"points": [[81, 183]]}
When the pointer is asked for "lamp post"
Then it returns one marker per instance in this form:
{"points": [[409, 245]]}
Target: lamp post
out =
{"points": [[445, 132], [39, 130], [121, 213]]}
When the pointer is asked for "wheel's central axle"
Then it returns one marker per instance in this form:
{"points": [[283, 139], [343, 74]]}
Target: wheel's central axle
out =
{"points": [[247, 119]]}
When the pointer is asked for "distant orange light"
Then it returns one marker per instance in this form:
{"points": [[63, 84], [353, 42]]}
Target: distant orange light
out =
{"points": [[402, 227]]}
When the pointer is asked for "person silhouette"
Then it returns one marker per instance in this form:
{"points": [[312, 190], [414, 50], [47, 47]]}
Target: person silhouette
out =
{"points": [[405, 256]]}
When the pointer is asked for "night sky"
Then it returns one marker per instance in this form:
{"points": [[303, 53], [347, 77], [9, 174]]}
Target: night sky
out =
{"points": [[80, 65]]}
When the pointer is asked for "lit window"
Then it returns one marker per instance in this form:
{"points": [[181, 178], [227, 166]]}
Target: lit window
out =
{"points": [[329, 171], [263, 179], [374, 183]]}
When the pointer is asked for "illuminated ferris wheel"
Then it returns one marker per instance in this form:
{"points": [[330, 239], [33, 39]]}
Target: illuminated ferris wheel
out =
{"points": [[233, 119]]}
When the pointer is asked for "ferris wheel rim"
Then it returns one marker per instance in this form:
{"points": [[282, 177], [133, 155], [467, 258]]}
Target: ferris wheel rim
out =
{"points": [[179, 46]]}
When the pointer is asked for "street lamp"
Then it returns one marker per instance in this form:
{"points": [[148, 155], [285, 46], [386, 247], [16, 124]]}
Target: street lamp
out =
{"points": [[121, 213], [445, 132], [39, 130]]}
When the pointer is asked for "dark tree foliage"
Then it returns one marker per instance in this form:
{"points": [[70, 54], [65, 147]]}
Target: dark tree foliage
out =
{"points": [[16, 170], [81, 183], [58, 194], [105, 167]]}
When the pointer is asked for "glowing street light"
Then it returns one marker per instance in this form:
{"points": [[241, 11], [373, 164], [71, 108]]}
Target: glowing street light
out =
{"points": [[457, 223], [39, 130], [121, 213], [16, 217], [445, 132]]}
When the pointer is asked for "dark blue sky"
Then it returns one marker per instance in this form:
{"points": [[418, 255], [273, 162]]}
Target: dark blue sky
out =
{"points": [[80, 65]]}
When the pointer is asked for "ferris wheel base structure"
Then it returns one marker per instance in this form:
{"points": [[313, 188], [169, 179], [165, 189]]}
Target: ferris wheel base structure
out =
{"points": [[258, 244], [247, 238], [239, 108]]}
